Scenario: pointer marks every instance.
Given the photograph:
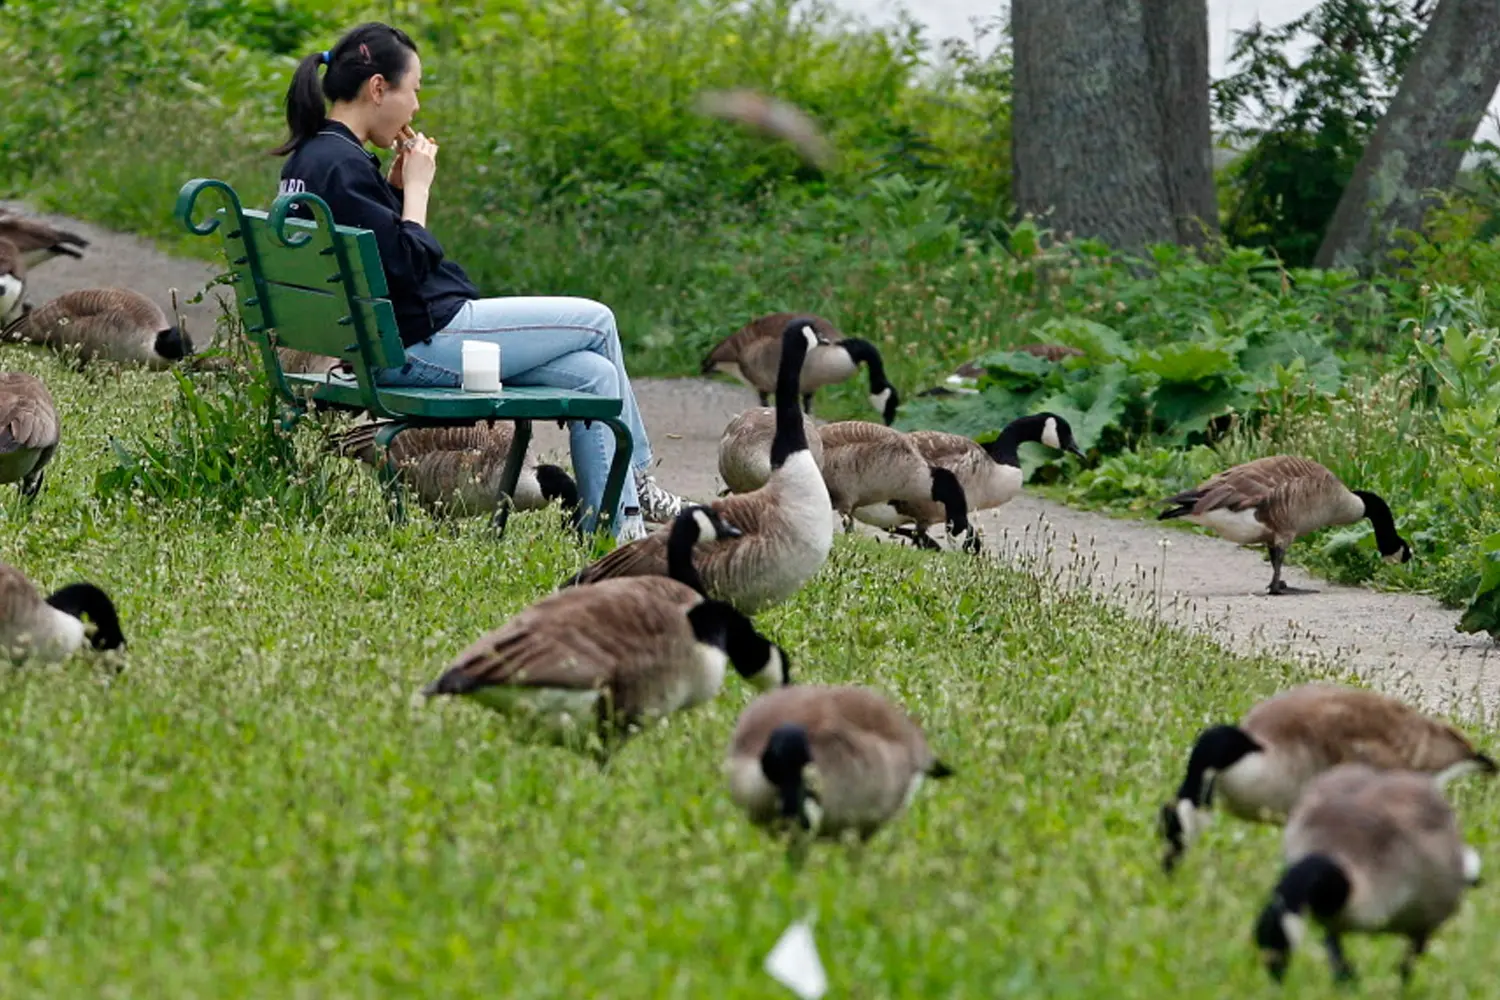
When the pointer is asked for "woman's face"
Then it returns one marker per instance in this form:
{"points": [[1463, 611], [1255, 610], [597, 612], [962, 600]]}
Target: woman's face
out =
{"points": [[395, 104]]}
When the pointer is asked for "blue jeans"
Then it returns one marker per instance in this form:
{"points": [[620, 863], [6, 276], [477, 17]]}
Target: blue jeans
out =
{"points": [[549, 340]]}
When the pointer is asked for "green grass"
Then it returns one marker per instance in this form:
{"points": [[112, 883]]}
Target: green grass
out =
{"points": [[259, 803]]}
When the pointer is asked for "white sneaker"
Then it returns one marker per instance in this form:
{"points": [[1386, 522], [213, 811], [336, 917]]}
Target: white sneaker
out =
{"points": [[632, 529], [657, 504]]}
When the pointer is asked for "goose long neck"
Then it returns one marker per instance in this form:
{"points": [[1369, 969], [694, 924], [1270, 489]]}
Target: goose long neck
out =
{"points": [[680, 545], [1006, 449], [1381, 519], [1315, 882], [791, 435]]}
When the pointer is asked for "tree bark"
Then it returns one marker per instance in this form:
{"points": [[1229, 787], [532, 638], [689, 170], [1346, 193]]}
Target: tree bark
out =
{"points": [[1177, 47], [1110, 121], [1443, 94]]}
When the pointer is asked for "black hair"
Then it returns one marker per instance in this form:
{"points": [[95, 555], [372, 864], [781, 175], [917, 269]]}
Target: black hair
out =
{"points": [[364, 51]]}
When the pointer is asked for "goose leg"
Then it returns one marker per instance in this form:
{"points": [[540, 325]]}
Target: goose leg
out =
{"points": [[1278, 585], [1343, 972], [765, 398], [32, 485], [807, 403], [1409, 960]]}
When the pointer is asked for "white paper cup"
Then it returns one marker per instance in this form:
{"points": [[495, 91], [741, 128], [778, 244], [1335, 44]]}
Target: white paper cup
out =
{"points": [[481, 366]]}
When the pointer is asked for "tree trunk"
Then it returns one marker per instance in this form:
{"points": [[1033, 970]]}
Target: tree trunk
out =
{"points": [[1177, 47], [1443, 95], [1110, 121]]}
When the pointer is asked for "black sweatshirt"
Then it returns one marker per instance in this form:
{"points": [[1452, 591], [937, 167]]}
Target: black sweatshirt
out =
{"points": [[426, 289]]}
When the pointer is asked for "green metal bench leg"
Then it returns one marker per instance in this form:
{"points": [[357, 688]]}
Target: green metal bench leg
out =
{"points": [[615, 484], [390, 477], [511, 474]]}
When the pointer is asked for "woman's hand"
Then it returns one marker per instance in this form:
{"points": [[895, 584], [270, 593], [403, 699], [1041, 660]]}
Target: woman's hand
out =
{"points": [[403, 139], [418, 162]]}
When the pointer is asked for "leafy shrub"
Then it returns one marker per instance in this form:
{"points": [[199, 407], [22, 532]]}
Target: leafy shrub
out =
{"points": [[226, 452]]}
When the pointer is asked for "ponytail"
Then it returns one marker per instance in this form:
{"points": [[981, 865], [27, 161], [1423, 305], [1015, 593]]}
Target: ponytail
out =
{"points": [[364, 51]]}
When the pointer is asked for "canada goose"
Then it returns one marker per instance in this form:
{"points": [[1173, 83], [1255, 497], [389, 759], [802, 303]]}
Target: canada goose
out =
{"points": [[787, 523], [12, 281], [306, 361], [1366, 851], [866, 464], [29, 430], [50, 629], [745, 448], [990, 474], [620, 653], [827, 759], [37, 241], [752, 354], [1276, 500], [115, 324], [459, 468], [964, 379], [1260, 767]]}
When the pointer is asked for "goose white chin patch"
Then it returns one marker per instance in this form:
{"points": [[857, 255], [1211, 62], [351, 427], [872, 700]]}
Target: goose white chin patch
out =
{"points": [[1294, 927], [1191, 819], [1049, 434], [706, 529], [1471, 865], [794, 963], [879, 399], [773, 674]]}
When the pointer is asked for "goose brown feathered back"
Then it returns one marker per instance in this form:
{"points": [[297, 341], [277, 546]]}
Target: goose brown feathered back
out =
{"points": [[1366, 850], [1273, 501], [459, 468], [115, 324], [617, 653], [1259, 768], [38, 241], [29, 430], [745, 448], [787, 524], [832, 758], [753, 355]]}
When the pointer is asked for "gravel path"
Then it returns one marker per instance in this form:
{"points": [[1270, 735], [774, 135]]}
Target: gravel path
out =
{"points": [[1402, 643]]}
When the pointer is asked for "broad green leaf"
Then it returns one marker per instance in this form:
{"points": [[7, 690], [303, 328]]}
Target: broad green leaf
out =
{"points": [[1190, 362]]}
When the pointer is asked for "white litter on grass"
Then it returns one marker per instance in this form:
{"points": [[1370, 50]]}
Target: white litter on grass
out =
{"points": [[794, 963]]}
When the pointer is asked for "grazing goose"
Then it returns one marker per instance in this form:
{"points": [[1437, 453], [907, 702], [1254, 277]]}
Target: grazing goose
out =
{"points": [[866, 464], [965, 377], [745, 448], [787, 523], [1276, 500], [1260, 767], [1366, 851], [12, 281], [29, 430], [753, 355], [114, 324], [37, 241], [459, 468], [617, 654], [46, 630], [990, 474], [827, 759]]}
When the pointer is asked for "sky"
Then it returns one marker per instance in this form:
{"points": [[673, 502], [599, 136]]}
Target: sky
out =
{"points": [[951, 17]]}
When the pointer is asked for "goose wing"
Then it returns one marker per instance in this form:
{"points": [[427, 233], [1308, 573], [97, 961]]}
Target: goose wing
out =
{"points": [[28, 418]]}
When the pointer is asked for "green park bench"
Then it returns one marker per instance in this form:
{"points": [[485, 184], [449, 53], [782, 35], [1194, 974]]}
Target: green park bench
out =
{"points": [[319, 287]]}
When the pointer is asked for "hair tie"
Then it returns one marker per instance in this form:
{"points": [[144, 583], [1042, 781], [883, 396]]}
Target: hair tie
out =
{"points": [[326, 59]]}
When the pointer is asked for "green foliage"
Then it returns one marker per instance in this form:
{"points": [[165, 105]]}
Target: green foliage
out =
{"points": [[1184, 345], [224, 450], [1305, 122], [1483, 612]]}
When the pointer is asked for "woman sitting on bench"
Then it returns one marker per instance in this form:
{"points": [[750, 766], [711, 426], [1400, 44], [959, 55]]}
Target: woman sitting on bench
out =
{"points": [[372, 77]]}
